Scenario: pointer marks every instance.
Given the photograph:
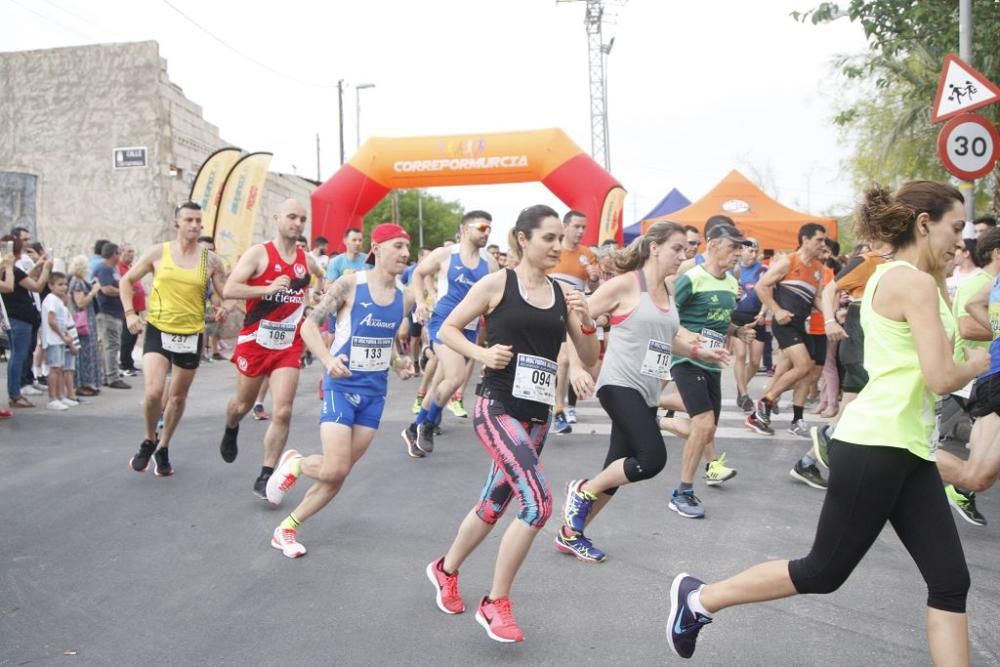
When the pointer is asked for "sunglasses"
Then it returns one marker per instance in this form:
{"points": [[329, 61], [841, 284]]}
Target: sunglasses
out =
{"points": [[481, 227], [694, 243]]}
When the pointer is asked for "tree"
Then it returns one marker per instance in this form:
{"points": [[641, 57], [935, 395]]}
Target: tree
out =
{"points": [[441, 217], [891, 87]]}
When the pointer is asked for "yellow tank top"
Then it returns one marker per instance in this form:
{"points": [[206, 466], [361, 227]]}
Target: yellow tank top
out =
{"points": [[177, 300]]}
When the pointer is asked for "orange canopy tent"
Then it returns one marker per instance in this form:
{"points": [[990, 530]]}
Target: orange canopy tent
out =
{"points": [[755, 213]]}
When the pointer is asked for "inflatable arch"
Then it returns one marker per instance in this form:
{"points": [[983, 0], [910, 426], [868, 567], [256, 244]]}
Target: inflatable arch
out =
{"points": [[549, 156]]}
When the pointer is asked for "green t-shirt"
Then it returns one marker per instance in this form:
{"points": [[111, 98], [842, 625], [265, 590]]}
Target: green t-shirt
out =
{"points": [[705, 305], [968, 289]]}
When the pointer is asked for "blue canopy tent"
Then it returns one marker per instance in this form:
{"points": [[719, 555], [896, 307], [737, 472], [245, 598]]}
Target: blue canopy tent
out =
{"points": [[674, 201]]}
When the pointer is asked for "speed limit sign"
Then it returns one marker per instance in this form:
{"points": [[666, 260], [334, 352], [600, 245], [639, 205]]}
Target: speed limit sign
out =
{"points": [[969, 146]]}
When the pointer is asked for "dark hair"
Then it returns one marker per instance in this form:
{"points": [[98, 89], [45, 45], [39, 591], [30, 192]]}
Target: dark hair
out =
{"points": [[109, 249], [637, 253], [347, 232], [528, 220], [302, 239], [36, 246], [572, 213], [190, 205], [691, 228], [18, 243], [321, 240], [16, 231], [809, 230], [986, 244], [56, 276], [833, 246], [476, 215], [988, 220], [717, 220], [891, 218], [491, 246], [206, 239], [99, 245]]}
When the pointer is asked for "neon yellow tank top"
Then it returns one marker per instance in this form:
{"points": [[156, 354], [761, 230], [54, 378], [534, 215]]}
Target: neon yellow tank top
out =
{"points": [[895, 409], [177, 300]]}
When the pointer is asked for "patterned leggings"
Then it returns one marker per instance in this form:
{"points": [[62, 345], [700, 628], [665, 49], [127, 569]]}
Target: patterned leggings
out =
{"points": [[514, 447]]}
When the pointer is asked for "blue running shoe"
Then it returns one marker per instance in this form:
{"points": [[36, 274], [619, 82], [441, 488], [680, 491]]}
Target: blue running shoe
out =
{"points": [[687, 504], [579, 546], [560, 425], [577, 507], [683, 624]]}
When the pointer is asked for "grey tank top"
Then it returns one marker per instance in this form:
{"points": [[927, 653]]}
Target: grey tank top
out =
{"points": [[638, 354]]}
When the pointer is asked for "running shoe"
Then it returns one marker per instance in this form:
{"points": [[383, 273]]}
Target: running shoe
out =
{"points": [[580, 546], [425, 438], [284, 539], [56, 404], [283, 479], [259, 413], [29, 390], [140, 460], [686, 504], [260, 486], [965, 505], [229, 448], [716, 471], [410, 438], [762, 411], [799, 428], [161, 463], [448, 599], [6, 414], [458, 409], [820, 436], [497, 618], [578, 504], [757, 426], [684, 624], [571, 414], [417, 404], [559, 424], [438, 430], [745, 403], [808, 475], [69, 402]]}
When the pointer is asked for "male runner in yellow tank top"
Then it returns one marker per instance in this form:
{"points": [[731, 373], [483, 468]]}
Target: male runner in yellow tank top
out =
{"points": [[175, 321]]}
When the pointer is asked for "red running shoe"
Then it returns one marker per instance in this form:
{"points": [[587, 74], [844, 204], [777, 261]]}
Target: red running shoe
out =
{"points": [[448, 599], [6, 414], [497, 619]]}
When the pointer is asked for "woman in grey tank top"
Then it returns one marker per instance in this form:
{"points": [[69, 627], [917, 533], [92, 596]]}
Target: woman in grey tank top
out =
{"points": [[644, 327]]}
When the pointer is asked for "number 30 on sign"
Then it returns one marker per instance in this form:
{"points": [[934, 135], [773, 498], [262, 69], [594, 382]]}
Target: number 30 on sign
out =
{"points": [[969, 146]]}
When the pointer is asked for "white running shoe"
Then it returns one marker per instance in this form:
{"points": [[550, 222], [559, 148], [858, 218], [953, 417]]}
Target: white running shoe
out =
{"points": [[57, 405], [29, 390], [282, 481], [69, 402], [284, 539]]}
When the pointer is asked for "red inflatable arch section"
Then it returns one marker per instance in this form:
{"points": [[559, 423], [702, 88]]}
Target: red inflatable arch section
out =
{"points": [[549, 156]]}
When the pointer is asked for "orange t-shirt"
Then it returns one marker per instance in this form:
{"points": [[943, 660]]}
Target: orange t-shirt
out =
{"points": [[572, 267], [817, 324]]}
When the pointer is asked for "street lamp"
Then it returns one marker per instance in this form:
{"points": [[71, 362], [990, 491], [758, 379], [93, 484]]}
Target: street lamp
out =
{"points": [[357, 109]]}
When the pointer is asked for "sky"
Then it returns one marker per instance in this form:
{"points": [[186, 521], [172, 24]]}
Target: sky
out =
{"points": [[695, 89]]}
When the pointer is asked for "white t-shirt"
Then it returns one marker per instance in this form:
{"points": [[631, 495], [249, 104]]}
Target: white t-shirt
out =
{"points": [[54, 304]]}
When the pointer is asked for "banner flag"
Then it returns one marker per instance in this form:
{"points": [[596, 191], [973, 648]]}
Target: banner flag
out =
{"points": [[207, 187], [237, 211]]}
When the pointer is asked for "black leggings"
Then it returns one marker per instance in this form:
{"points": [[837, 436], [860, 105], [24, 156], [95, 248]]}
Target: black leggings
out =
{"points": [[635, 434], [867, 487]]}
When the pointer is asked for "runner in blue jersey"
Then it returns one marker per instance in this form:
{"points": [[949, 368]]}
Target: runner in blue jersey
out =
{"points": [[458, 268], [746, 358], [370, 309], [416, 329]]}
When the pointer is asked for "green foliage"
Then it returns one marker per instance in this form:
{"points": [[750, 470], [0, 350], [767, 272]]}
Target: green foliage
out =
{"points": [[441, 217]]}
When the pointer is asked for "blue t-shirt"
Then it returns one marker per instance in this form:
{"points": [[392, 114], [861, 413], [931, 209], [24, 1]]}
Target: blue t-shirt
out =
{"points": [[748, 277], [109, 276], [341, 264], [407, 274], [994, 312]]}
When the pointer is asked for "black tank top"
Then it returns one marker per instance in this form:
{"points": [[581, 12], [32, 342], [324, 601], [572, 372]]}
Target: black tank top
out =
{"points": [[531, 332]]}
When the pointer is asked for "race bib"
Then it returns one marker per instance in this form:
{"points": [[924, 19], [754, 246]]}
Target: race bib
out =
{"points": [[965, 392], [370, 354], [713, 339], [473, 325], [656, 363], [179, 343], [535, 379], [275, 335]]}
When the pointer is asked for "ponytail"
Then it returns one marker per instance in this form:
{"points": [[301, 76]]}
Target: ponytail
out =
{"points": [[635, 255]]}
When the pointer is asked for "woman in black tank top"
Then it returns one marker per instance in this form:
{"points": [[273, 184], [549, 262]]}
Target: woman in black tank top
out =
{"points": [[527, 319]]}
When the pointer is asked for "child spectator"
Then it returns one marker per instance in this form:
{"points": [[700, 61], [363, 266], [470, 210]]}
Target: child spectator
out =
{"points": [[57, 341]]}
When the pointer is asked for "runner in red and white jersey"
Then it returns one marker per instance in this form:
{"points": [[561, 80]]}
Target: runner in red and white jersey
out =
{"points": [[273, 277]]}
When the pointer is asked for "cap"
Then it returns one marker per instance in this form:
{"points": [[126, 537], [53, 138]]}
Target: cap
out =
{"points": [[728, 232], [385, 232]]}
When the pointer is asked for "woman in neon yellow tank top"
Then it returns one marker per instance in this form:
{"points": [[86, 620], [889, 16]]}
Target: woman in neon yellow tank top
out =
{"points": [[882, 464]]}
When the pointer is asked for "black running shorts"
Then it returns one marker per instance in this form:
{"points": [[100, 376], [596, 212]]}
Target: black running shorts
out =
{"points": [[154, 344], [700, 389]]}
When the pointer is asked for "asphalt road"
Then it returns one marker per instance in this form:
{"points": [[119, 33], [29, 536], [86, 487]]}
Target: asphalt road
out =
{"points": [[103, 566]]}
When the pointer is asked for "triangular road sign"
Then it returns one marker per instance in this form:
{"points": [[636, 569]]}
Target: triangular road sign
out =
{"points": [[961, 88]]}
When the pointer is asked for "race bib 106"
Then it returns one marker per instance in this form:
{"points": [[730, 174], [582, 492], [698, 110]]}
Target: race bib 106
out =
{"points": [[275, 335]]}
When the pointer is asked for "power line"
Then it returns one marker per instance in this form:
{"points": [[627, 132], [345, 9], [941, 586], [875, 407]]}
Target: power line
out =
{"points": [[242, 54]]}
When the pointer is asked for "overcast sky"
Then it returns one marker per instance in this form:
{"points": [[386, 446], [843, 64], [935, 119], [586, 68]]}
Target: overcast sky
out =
{"points": [[695, 88]]}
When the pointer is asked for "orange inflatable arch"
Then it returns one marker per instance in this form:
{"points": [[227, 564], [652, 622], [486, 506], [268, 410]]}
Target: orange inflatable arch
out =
{"points": [[386, 164]]}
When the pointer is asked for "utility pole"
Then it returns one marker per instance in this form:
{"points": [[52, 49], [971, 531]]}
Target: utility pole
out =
{"points": [[317, 157], [357, 112], [340, 116], [968, 188]]}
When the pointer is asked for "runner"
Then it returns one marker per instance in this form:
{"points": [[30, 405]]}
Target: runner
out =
{"points": [[705, 299], [273, 278], [883, 467], [370, 308], [458, 267], [636, 364], [182, 271], [749, 309], [790, 290], [528, 315]]}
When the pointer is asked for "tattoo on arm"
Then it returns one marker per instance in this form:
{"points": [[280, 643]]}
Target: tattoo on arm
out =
{"points": [[333, 299]]}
